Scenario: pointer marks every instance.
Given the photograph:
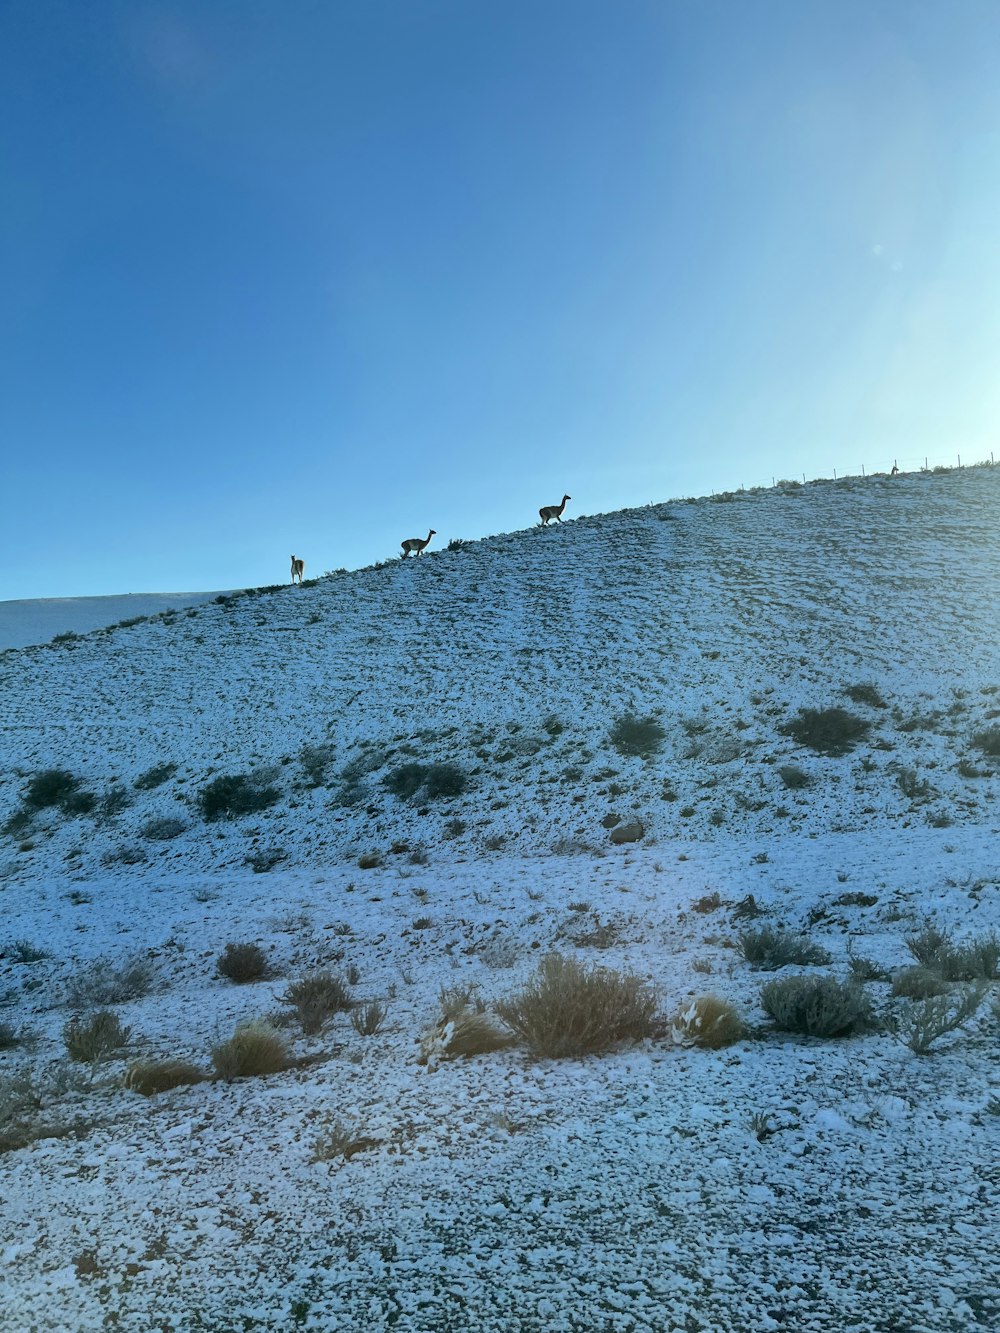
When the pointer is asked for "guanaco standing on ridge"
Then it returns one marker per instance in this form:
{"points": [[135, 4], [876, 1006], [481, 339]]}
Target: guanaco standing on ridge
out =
{"points": [[415, 545], [553, 511], [298, 569]]}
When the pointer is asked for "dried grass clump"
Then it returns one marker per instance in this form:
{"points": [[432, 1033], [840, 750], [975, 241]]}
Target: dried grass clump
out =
{"points": [[254, 1048], [635, 736], [816, 1006], [460, 1035], [831, 731], [709, 1022], [242, 963], [102, 982], [149, 1077], [923, 1021], [568, 1010], [316, 998], [88, 1040], [367, 1019], [338, 1140], [766, 949], [979, 959]]}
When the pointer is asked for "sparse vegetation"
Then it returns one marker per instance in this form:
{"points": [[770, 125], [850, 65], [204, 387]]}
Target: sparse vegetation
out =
{"points": [[368, 1019], [242, 963], [988, 741], [637, 736], [829, 731], [164, 829], [316, 998], [337, 1140], [254, 1049], [816, 1006], [709, 1022], [568, 1010], [155, 777], [865, 693], [149, 1077], [918, 983], [103, 982], [370, 860], [58, 787], [235, 795], [88, 1040], [923, 1021], [793, 777], [934, 949], [767, 948]]}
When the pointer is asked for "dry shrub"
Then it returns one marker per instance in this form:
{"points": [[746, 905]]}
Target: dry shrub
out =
{"points": [[102, 982], [918, 983], [707, 1021], [568, 1010], [254, 1048], [94, 1038], [242, 963], [924, 1021], [149, 1077], [316, 998], [368, 1018], [460, 1035], [767, 949], [935, 950], [816, 1006], [338, 1140]]}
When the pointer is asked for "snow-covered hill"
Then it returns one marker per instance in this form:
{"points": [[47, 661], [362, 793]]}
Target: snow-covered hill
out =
{"points": [[512, 659], [436, 746], [40, 619]]}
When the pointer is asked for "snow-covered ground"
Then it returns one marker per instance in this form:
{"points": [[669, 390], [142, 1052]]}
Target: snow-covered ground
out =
{"points": [[37, 620], [628, 1191]]}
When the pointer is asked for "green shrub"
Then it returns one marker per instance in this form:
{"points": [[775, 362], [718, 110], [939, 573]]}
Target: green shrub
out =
{"points": [[405, 780], [444, 780], [831, 731], [816, 1006], [149, 1077], [234, 795], [253, 1049], [88, 1040], [52, 786], [637, 736], [766, 949], [979, 958], [155, 776], [316, 998], [918, 983], [242, 963], [568, 1010]]}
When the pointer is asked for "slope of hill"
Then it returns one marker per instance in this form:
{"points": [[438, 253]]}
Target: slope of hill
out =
{"points": [[37, 620], [512, 659], [782, 1182]]}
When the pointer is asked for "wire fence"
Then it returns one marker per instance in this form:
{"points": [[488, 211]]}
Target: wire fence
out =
{"points": [[898, 466]]}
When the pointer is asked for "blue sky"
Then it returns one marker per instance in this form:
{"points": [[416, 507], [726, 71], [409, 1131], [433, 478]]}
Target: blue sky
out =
{"points": [[317, 276]]}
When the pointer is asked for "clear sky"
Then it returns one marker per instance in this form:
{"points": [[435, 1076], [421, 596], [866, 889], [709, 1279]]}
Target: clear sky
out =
{"points": [[317, 275]]}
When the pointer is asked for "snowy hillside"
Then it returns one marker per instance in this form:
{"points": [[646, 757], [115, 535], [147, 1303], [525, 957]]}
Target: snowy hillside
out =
{"points": [[512, 659], [40, 619], [414, 776]]}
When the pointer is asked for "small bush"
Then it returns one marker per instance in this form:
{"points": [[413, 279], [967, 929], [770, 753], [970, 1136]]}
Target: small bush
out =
{"points": [[815, 1006], [242, 963], [934, 949], [637, 736], [235, 795], [830, 731], [370, 860], [23, 951], [52, 786], [316, 998], [709, 1022], [367, 1019], [18, 823], [405, 780], [337, 1140], [114, 801], [315, 760], [460, 1034], [766, 949], [865, 693], [265, 860], [444, 780], [10, 1037], [149, 1077], [253, 1049], [927, 946], [94, 1038], [162, 830], [794, 778], [925, 1020], [988, 741], [155, 777], [101, 982], [568, 1010], [917, 983]]}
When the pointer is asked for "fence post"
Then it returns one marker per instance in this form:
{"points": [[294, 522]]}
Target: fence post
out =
{"points": [[959, 460], [862, 469], [835, 474]]}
